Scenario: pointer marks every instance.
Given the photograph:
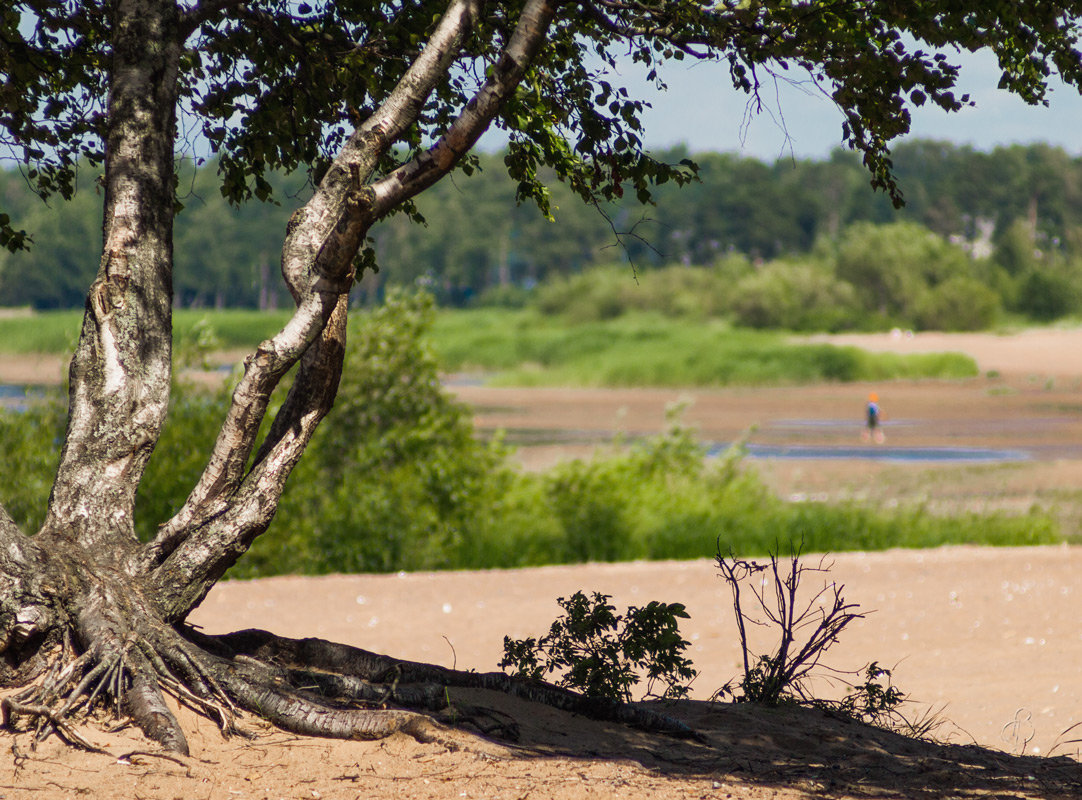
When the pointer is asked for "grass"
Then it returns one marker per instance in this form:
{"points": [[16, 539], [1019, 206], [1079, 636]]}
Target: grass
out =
{"points": [[528, 349], [234, 328], [46, 332], [57, 332], [644, 349]]}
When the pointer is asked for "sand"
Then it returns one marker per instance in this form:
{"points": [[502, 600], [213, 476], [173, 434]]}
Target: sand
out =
{"points": [[987, 640]]}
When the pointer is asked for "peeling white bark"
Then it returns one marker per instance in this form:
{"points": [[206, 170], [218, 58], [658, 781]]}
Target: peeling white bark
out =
{"points": [[114, 372]]}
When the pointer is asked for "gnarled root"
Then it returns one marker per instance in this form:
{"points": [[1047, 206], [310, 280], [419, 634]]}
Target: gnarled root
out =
{"points": [[126, 663], [294, 710], [307, 686], [355, 675]]}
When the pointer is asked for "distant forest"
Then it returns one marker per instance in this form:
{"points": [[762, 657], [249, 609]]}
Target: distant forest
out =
{"points": [[1019, 205]]}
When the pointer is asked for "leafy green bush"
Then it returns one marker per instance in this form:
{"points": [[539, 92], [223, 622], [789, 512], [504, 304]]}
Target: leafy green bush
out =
{"points": [[598, 294], [1047, 294], [605, 654], [394, 478], [958, 304], [892, 266], [588, 503], [31, 440], [608, 292], [795, 296], [195, 416]]}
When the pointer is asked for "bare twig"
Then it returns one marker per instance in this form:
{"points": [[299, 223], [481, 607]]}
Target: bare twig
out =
{"points": [[770, 678]]}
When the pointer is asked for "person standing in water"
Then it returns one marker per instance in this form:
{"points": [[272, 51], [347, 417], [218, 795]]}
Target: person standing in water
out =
{"points": [[872, 417]]}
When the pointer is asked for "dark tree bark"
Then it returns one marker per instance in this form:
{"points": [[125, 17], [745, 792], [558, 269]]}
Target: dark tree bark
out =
{"points": [[88, 614]]}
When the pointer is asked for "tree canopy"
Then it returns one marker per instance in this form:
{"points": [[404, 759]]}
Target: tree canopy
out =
{"points": [[282, 84], [379, 101]]}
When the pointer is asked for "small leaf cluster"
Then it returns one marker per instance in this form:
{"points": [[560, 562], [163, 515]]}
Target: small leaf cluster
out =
{"points": [[875, 700], [604, 654]]}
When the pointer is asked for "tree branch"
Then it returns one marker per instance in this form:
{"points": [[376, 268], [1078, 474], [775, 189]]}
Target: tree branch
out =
{"points": [[263, 370], [321, 242], [375, 136], [660, 27], [423, 171]]}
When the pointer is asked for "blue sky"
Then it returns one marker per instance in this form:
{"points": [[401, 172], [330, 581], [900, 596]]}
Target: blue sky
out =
{"points": [[702, 111]]}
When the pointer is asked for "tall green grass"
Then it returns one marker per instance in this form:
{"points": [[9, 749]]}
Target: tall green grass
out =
{"points": [[45, 332], [640, 349], [230, 328], [527, 349], [57, 332]]}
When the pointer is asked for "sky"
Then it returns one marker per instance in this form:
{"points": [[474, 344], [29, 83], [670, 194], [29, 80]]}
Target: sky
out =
{"points": [[701, 110]]}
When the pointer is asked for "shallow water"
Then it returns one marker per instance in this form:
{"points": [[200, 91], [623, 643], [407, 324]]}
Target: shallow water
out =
{"points": [[879, 452], [15, 397]]}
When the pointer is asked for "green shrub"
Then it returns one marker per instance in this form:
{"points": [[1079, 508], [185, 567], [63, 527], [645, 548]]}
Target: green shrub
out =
{"points": [[958, 304], [607, 292], [1045, 294], [795, 296], [604, 654], [588, 502], [597, 294], [892, 266], [179, 458]]}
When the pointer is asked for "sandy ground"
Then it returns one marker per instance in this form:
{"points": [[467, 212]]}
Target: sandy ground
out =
{"points": [[988, 639], [988, 635]]}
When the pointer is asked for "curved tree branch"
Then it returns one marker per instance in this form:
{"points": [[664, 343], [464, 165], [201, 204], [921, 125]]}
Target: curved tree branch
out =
{"points": [[183, 579], [213, 493], [359, 156], [321, 242], [423, 171]]}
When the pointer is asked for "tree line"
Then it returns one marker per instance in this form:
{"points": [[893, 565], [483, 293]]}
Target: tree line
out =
{"points": [[1022, 204]]}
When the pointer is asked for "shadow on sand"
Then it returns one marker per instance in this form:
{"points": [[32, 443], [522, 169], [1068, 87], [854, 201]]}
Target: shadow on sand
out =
{"points": [[801, 750]]}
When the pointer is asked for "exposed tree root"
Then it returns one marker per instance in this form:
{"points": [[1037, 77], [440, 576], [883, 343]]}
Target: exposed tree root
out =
{"points": [[307, 686], [350, 674], [48, 722]]}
